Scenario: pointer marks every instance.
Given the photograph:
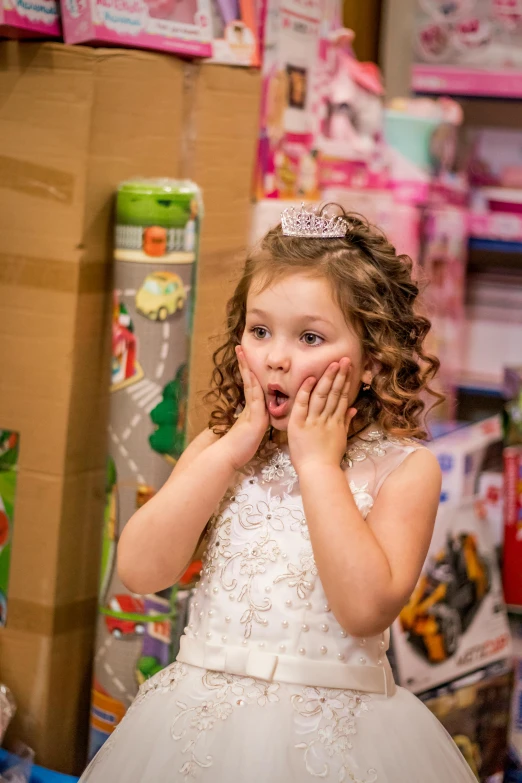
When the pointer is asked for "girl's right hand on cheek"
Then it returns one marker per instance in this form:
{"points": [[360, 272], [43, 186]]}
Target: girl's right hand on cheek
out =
{"points": [[243, 439]]}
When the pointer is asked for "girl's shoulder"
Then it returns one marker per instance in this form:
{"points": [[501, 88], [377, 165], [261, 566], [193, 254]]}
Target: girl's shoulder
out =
{"points": [[375, 454], [376, 444]]}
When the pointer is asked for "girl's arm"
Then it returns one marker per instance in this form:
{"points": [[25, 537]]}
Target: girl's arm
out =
{"points": [[369, 567], [159, 540]]}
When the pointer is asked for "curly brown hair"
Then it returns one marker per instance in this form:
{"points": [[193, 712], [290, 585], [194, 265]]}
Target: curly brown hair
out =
{"points": [[374, 288]]}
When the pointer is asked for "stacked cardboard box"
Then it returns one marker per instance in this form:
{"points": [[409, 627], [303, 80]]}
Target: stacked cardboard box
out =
{"points": [[74, 122]]}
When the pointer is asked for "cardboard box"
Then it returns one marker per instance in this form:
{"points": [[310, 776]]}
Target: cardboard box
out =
{"points": [[74, 123], [166, 26], [219, 157], [475, 711], [30, 18]]}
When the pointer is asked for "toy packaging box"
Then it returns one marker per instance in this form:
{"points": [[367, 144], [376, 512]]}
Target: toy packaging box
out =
{"points": [[181, 26], [515, 736], [444, 258], [475, 712], [468, 47], [455, 621], [464, 454], [495, 172], [30, 18], [235, 30], [512, 559], [287, 165]]}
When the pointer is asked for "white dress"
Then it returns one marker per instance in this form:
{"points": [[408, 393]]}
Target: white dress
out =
{"points": [[267, 687]]}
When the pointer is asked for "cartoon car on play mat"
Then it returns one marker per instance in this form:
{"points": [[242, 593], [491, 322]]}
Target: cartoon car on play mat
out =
{"points": [[446, 599], [162, 294], [125, 616]]}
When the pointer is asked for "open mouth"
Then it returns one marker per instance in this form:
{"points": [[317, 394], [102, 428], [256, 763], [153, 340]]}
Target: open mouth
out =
{"points": [[278, 402]]}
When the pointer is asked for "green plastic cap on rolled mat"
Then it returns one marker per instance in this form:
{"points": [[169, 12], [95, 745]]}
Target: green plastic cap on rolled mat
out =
{"points": [[164, 202]]}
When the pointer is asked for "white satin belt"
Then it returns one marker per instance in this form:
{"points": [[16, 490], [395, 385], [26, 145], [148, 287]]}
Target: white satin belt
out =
{"points": [[268, 666]]}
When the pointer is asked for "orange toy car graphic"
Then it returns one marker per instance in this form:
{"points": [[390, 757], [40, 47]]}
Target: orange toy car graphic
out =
{"points": [[446, 599]]}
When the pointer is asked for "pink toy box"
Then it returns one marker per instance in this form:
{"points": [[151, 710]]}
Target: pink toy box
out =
{"points": [[235, 29], [495, 171], [30, 19], [468, 47], [181, 26], [292, 32]]}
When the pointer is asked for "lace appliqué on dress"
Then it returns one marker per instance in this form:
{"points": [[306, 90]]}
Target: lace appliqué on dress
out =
{"points": [[226, 693], [302, 576], [332, 716], [279, 468], [374, 444]]}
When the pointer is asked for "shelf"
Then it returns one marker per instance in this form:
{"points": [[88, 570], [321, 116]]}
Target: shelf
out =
{"points": [[493, 255]]}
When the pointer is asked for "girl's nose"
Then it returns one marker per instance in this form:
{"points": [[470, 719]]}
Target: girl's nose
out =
{"points": [[278, 359]]}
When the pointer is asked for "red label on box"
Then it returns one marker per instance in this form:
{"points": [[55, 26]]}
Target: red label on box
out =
{"points": [[512, 573]]}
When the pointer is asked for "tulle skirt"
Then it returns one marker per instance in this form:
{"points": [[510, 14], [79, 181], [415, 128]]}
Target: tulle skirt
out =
{"points": [[192, 724]]}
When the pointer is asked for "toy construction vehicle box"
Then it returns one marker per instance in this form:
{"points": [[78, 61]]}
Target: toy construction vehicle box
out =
{"points": [[464, 454], [455, 621], [475, 711]]}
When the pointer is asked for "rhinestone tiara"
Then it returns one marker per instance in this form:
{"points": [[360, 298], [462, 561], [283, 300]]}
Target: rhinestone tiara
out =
{"points": [[303, 223]]}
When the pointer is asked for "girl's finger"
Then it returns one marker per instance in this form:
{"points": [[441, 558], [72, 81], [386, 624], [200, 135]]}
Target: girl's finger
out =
{"points": [[322, 390], [348, 416], [338, 387], [344, 399], [302, 400], [245, 374], [257, 390]]}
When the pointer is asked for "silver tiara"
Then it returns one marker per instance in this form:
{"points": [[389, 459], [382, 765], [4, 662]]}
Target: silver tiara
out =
{"points": [[302, 223]]}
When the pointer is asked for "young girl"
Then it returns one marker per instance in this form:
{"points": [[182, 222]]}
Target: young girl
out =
{"points": [[325, 504]]}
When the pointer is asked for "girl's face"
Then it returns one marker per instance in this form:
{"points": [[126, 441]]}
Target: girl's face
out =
{"points": [[295, 329]]}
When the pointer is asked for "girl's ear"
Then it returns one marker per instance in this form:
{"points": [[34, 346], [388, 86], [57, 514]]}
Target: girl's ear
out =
{"points": [[371, 369]]}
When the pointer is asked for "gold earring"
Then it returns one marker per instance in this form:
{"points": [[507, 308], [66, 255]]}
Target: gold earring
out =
{"points": [[366, 387]]}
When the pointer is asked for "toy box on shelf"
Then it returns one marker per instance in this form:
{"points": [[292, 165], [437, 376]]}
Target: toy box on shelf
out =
{"points": [[468, 47], [348, 118], [321, 116], [30, 19], [455, 621], [515, 737], [495, 171], [181, 26], [475, 711], [422, 138], [444, 260], [286, 165], [235, 28], [511, 496]]}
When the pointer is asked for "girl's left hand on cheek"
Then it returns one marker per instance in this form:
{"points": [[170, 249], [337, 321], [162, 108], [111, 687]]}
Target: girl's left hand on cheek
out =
{"points": [[320, 418]]}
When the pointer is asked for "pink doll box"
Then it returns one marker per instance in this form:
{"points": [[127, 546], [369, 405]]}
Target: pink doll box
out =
{"points": [[181, 26], [30, 18], [235, 29], [468, 47]]}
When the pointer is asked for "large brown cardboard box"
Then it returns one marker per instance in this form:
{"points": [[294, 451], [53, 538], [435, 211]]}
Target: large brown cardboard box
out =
{"points": [[74, 122], [222, 128]]}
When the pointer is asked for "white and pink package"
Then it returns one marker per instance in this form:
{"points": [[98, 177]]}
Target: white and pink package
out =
{"points": [[181, 26], [30, 18]]}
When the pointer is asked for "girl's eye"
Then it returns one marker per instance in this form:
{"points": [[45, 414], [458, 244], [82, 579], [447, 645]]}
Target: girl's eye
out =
{"points": [[260, 332], [312, 339]]}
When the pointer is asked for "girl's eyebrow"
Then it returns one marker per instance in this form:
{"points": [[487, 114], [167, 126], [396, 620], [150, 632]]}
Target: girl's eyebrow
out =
{"points": [[305, 318]]}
